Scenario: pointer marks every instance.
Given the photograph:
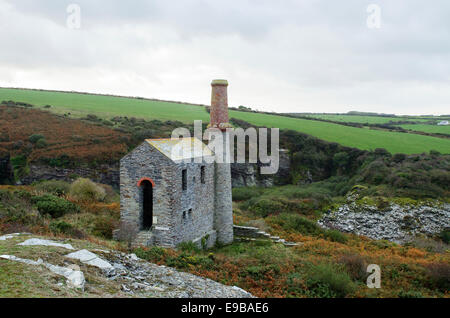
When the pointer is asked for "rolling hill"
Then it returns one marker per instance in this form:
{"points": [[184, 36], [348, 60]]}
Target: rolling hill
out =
{"points": [[80, 104]]}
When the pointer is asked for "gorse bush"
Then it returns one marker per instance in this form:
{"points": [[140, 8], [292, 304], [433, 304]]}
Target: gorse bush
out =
{"points": [[265, 206], [154, 254], [35, 138], [41, 143], [54, 187], [325, 280], [87, 191], [335, 236], [188, 247], [297, 223], [53, 205]]}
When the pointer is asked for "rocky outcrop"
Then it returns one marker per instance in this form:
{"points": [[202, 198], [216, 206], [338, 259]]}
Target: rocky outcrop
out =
{"points": [[248, 174], [243, 175], [394, 223], [105, 174]]}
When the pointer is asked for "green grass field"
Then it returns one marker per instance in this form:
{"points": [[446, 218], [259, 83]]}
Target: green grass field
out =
{"points": [[364, 119], [434, 129], [105, 106]]}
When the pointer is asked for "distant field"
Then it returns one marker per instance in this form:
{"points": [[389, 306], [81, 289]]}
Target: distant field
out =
{"points": [[435, 129], [364, 119], [107, 107]]}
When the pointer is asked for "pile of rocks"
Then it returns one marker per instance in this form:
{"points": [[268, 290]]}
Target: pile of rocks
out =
{"points": [[139, 277], [395, 223]]}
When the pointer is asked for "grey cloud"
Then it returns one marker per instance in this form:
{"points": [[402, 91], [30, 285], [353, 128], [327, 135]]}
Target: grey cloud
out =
{"points": [[314, 52]]}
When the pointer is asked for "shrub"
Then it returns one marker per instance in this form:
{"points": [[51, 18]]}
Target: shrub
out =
{"points": [[53, 205], [445, 236], [265, 206], [299, 224], [54, 187], [62, 227], [439, 275], [259, 272], [243, 194], [399, 157], [409, 294], [188, 247], [325, 280], [35, 138], [104, 227], [41, 143], [87, 191], [154, 254], [185, 260], [335, 236], [355, 265]]}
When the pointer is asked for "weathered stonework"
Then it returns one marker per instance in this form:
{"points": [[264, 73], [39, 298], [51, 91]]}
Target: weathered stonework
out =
{"points": [[179, 215]]}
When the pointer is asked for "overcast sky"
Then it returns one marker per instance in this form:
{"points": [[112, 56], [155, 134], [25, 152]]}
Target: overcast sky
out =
{"points": [[284, 56]]}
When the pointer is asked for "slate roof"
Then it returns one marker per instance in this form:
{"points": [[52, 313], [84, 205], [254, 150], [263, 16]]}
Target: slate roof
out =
{"points": [[181, 149]]}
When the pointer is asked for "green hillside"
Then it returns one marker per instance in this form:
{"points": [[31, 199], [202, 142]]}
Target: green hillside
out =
{"points": [[108, 106], [434, 129], [364, 119]]}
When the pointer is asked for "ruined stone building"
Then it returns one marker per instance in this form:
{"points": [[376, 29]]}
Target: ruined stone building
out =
{"points": [[172, 199]]}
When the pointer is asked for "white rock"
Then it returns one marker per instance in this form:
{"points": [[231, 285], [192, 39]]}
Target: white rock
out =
{"points": [[133, 257], [92, 259], [12, 235], [22, 260], [74, 278], [40, 242], [6, 237]]}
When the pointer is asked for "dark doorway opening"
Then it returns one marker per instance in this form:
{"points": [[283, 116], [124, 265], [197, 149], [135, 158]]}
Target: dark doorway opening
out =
{"points": [[147, 206]]}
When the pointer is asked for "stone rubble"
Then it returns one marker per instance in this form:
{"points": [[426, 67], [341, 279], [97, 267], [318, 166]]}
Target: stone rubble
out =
{"points": [[138, 277], [395, 223], [40, 242]]}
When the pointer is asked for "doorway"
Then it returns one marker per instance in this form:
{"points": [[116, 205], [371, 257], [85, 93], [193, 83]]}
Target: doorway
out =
{"points": [[147, 205]]}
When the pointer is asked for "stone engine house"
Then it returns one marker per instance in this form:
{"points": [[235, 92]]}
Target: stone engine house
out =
{"points": [[172, 199]]}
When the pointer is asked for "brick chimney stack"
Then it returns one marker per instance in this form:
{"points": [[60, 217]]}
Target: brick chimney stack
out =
{"points": [[219, 105], [223, 202]]}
